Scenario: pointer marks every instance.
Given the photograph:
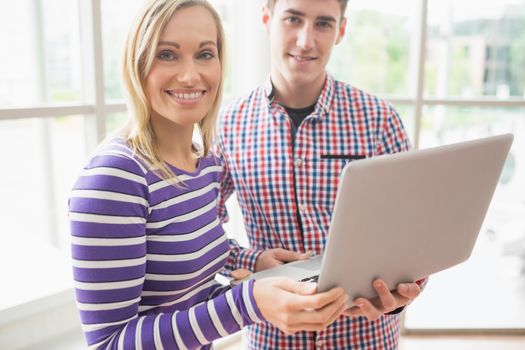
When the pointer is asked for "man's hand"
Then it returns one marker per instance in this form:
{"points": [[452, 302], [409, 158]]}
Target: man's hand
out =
{"points": [[277, 256], [386, 301]]}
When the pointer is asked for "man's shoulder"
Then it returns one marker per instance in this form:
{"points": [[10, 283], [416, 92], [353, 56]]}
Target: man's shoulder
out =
{"points": [[358, 95], [248, 101]]}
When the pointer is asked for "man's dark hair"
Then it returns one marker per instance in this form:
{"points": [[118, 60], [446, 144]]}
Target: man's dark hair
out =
{"points": [[271, 4]]}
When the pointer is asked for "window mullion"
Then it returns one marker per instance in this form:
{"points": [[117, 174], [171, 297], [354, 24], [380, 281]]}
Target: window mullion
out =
{"points": [[420, 84], [42, 129], [94, 89]]}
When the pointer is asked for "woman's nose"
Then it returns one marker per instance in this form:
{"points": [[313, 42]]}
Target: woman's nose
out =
{"points": [[188, 74]]}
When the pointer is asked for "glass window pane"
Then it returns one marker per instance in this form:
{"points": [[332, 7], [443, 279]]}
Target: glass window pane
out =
{"points": [[225, 8], [41, 62], [375, 51], [115, 121], [487, 290], [475, 50], [49, 155], [406, 112], [45, 156], [117, 16]]}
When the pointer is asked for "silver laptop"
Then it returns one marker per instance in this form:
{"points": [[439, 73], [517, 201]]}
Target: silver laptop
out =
{"points": [[404, 216]]}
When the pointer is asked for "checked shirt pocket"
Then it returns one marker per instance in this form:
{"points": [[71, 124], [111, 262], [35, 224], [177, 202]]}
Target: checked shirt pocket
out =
{"points": [[327, 171]]}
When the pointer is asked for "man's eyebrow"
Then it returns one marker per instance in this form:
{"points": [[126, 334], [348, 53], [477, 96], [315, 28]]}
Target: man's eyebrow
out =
{"points": [[327, 19], [319, 18], [176, 45], [295, 12]]}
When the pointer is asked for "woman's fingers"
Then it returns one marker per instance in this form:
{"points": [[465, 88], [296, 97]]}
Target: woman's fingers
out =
{"points": [[292, 306], [312, 327], [304, 297], [316, 301], [324, 314], [240, 274]]}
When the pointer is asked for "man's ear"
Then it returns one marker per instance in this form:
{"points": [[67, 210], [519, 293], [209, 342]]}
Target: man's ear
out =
{"points": [[266, 17], [341, 31]]}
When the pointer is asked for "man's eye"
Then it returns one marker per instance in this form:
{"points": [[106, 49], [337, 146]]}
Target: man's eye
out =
{"points": [[166, 56], [324, 24], [293, 20]]}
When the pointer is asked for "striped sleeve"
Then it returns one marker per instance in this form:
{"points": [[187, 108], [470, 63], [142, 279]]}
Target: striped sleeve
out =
{"points": [[108, 211]]}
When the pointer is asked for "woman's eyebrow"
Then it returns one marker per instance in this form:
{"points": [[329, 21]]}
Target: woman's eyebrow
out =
{"points": [[169, 43], [207, 42], [176, 45]]}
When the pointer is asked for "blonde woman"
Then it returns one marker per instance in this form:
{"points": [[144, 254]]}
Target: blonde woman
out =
{"points": [[146, 241]]}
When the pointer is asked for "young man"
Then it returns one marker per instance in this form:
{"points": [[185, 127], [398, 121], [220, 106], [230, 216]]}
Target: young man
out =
{"points": [[284, 146]]}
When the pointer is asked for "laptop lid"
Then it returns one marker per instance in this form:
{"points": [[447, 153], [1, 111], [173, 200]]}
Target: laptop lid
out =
{"points": [[405, 216]]}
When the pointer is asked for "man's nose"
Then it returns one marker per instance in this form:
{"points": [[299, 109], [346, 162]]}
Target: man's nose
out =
{"points": [[305, 37]]}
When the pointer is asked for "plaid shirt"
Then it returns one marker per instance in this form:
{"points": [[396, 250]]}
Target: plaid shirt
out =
{"points": [[276, 184]]}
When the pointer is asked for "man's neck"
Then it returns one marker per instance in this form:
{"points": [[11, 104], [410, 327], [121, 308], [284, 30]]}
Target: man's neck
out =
{"points": [[296, 95]]}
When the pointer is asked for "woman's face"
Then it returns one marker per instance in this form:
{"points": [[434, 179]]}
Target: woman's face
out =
{"points": [[184, 78]]}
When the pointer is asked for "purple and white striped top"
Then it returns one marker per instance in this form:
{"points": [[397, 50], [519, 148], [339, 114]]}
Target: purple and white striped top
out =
{"points": [[145, 254]]}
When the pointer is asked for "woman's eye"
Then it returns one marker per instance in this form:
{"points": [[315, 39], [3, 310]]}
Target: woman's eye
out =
{"points": [[166, 56], [206, 55]]}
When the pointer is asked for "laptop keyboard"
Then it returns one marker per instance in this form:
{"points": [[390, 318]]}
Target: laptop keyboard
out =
{"points": [[313, 278]]}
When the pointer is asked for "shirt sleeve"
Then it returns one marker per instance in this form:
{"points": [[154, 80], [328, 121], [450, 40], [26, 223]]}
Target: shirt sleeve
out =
{"points": [[240, 257], [226, 182], [108, 208], [393, 137]]}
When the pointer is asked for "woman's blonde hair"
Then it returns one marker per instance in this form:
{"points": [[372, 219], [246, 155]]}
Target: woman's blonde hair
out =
{"points": [[139, 55]]}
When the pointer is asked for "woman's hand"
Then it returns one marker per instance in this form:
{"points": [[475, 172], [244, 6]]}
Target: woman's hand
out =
{"points": [[294, 306], [240, 274]]}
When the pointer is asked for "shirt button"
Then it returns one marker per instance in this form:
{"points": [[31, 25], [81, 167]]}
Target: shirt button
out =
{"points": [[298, 162], [302, 208], [319, 343]]}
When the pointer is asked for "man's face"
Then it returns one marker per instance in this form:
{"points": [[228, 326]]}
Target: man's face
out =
{"points": [[302, 35]]}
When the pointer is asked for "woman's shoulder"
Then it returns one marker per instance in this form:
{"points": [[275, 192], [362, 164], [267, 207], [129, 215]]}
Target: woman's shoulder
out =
{"points": [[115, 153], [210, 160], [211, 164]]}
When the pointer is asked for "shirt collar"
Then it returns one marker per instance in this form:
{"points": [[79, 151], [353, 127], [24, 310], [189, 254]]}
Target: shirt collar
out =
{"points": [[324, 102]]}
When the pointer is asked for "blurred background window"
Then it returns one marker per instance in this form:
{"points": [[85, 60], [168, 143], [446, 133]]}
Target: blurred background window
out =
{"points": [[474, 50], [41, 57], [375, 53], [487, 291]]}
